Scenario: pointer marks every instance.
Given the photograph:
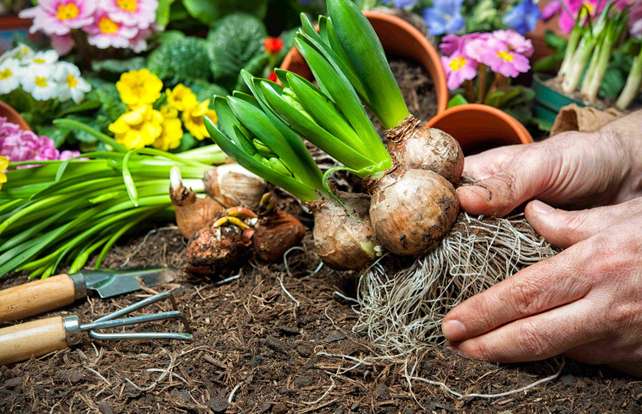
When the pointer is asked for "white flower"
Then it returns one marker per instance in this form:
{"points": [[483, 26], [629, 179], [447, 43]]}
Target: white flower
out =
{"points": [[71, 84], [42, 58], [10, 74], [20, 53], [39, 82]]}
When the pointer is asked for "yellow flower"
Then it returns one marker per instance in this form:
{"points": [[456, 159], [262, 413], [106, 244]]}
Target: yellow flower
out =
{"points": [[4, 164], [171, 136], [139, 87], [168, 111], [193, 119], [181, 98], [139, 127]]}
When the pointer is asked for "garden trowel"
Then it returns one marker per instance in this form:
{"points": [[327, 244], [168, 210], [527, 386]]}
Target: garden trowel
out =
{"points": [[34, 298]]}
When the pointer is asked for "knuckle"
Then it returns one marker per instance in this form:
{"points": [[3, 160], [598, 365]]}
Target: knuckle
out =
{"points": [[531, 342], [525, 297], [622, 316]]}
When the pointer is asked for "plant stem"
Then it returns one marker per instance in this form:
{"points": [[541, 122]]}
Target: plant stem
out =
{"points": [[632, 86]]}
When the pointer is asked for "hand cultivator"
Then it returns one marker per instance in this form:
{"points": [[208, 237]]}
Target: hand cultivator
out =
{"points": [[32, 339]]}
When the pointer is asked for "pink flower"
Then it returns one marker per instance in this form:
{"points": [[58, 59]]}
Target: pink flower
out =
{"points": [[499, 56], [138, 13], [19, 145], [105, 32], [459, 68], [451, 43], [58, 17], [571, 8], [515, 41], [551, 9], [635, 19], [139, 42], [63, 44]]}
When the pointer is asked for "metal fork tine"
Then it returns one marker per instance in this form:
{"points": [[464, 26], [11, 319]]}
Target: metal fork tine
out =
{"points": [[135, 306], [141, 335], [112, 323]]}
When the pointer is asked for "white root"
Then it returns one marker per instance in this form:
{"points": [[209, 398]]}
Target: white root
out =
{"points": [[401, 313]]}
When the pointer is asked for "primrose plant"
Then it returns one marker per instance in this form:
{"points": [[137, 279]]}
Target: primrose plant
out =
{"points": [[479, 67]]}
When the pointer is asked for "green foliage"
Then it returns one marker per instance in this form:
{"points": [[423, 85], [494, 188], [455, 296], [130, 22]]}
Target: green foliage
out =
{"points": [[516, 101], [235, 43], [118, 66], [208, 11], [180, 59]]}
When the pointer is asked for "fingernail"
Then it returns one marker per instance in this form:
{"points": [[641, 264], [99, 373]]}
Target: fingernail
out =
{"points": [[453, 330], [479, 191], [541, 207]]}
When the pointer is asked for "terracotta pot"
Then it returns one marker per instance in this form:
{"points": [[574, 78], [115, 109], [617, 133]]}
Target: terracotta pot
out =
{"points": [[399, 38], [480, 127], [13, 116]]}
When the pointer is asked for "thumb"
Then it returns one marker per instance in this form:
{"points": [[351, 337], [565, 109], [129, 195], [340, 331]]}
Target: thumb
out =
{"points": [[564, 228]]}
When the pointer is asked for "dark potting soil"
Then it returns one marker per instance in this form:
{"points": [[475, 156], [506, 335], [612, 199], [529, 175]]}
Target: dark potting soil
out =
{"points": [[257, 350]]}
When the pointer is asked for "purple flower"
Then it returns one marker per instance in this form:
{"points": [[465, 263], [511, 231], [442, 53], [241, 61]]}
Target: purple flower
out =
{"points": [[551, 9], [459, 68], [402, 4], [515, 41], [18, 145], [499, 56], [523, 17], [444, 17]]}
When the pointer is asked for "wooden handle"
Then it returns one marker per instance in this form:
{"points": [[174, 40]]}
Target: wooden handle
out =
{"points": [[32, 339], [34, 298]]}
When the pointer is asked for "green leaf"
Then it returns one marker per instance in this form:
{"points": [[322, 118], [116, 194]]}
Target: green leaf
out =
{"points": [[180, 60], [338, 88], [163, 13], [232, 44], [368, 60], [612, 84], [293, 186], [206, 90], [457, 100], [58, 135], [290, 150], [118, 66], [209, 11]]}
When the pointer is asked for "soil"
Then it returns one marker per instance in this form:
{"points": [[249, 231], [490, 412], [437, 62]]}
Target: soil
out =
{"points": [[278, 339], [257, 350]]}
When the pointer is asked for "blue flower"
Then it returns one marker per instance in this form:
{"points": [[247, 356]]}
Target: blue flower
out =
{"points": [[402, 4], [444, 17], [523, 17]]}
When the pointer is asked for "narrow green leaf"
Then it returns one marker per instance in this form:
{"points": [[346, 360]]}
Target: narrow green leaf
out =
{"points": [[342, 93], [289, 184], [128, 180], [369, 61]]}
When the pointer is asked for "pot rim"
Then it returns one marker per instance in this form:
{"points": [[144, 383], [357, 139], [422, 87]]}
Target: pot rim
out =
{"points": [[13, 116], [522, 133]]}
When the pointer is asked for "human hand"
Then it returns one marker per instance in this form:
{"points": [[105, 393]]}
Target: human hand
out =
{"points": [[571, 169], [585, 302]]}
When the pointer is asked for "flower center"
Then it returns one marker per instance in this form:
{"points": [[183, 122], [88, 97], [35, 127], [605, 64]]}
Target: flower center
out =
{"points": [[39, 61], [457, 63], [128, 5], [5, 74], [72, 81], [107, 25], [67, 11], [505, 55], [41, 82]]}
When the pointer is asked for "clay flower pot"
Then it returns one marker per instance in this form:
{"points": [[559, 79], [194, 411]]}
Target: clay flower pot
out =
{"points": [[480, 127], [399, 38], [13, 116]]}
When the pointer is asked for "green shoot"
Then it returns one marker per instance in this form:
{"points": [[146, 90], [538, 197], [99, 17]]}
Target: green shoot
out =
{"points": [[360, 44], [632, 86]]}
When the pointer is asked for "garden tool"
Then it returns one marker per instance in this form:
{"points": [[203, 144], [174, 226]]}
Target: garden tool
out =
{"points": [[55, 292], [36, 338]]}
